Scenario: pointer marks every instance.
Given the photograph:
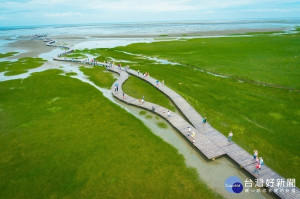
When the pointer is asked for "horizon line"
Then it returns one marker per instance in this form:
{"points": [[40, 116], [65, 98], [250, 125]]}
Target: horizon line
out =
{"points": [[164, 21]]}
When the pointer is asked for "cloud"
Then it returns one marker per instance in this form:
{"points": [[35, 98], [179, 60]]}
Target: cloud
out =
{"points": [[49, 11], [139, 5]]}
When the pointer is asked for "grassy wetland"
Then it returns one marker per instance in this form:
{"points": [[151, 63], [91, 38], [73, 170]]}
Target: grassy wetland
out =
{"points": [[19, 66], [249, 85], [61, 138]]}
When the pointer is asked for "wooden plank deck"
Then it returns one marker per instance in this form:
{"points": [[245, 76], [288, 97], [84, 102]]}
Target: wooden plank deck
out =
{"points": [[208, 140], [204, 145], [235, 152]]}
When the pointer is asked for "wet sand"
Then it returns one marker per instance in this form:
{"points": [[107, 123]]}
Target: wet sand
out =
{"points": [[32, 48], [181, 34], [27, 48]]}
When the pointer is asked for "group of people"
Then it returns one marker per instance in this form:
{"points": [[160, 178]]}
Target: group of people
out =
{"points": [[191, 134], [259, 162], [92, 61], [162, 82], [126, 68], [168, 113], [109, 64], [146, 74]]}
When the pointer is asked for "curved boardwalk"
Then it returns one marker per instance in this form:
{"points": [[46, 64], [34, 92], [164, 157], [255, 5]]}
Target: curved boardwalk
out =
{"points": [[205, 145], [208, 141]]}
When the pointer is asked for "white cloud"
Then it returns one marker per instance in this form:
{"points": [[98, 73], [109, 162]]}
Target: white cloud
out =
{"points": [[138, 5], [40, 11]]}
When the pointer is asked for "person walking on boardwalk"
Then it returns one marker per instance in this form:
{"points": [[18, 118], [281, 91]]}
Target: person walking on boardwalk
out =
{"points": [[143, 99], [157, 82], [153, 108], [230, 136], [169, 114], [189, 131], [204, 120], [255, 154], [257, 168], [123, 95], [256, 159], [261, 162], [116, 87], [193, 137], [138, 72]]}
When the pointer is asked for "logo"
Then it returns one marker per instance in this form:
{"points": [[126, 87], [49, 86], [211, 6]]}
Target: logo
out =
{"points": [[233, 185]]}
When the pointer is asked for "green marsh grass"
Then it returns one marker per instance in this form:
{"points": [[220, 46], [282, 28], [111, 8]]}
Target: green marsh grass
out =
{"points": [[87, 147], [138, 88], [148, 116], [261, 117], [271, 59], [8, 54], [71, 74], [162, 125], [142, 112], [99, 76], [20, 66]]}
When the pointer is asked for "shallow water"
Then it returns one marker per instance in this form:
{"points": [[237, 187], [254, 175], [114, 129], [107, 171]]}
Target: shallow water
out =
{"points": [[157, 60], [109, 42]]}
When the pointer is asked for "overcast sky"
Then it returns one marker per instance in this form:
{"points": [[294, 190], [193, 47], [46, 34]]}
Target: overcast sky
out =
{"points": [[44, 12]]}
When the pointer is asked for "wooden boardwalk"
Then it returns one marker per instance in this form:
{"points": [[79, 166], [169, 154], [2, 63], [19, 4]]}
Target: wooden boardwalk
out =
{"points": [[208, 140], [205, 145], [235, 152]]}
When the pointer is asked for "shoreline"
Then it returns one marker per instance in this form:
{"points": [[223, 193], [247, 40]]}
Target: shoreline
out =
{"points": [[33, 48], [165, 35]]}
